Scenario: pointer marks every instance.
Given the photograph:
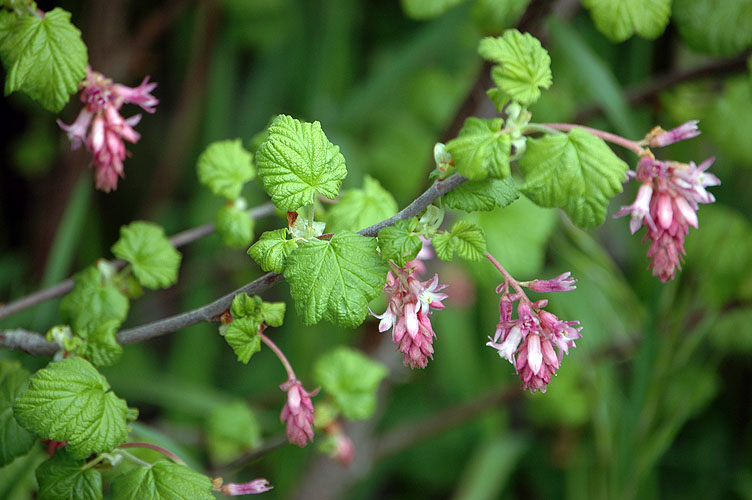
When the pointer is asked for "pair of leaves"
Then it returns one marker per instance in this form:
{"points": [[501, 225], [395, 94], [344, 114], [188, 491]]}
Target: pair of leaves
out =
{"points": [[620, 20], [481, 149], [524, 66], [466, 238], [297, 162], [577, 172], [70, 401], [248, 313], [43, 55], [352, 379]]}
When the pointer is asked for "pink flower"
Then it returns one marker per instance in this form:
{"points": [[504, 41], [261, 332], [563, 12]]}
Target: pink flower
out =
{"points": [[250, 488], [530, 342], [107, 129], [298, 412], [659, 137], [562, 283], [667, 204], [407, 313]]}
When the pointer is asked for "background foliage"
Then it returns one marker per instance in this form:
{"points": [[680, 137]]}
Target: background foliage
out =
{"points": [[652, 404]]}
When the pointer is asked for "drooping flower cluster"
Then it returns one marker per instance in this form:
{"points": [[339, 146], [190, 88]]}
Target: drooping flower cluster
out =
{"points": [[101, 127], [536, 341], [668, 199], [298, 412], [408, 310]]}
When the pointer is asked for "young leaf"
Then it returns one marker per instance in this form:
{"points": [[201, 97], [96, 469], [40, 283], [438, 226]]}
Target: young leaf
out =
{"points": [[620, 20], [232, 429], [271, 250], [44, 57], [352, 378], [577, 172], [224, 167], [297, 161], [466, 238], [525, 65], [244, 306], [155, 261], [359, 208], [61, 477], [14, 439], [483, 195], [234, 226], [242, 336], [398, 243], [100, 346], [720, 28], [335, 279], [273, 313], [162, 481], [93, 300], [70, 401], [481, 149]]}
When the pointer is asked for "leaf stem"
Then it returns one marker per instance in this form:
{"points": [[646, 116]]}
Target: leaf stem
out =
{"points": [[280, 355], [135, 459], [163, 451], [606, 136], [508, 277]]}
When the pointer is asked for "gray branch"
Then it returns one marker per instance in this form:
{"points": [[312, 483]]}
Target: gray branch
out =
{"points": [[34, 343]]}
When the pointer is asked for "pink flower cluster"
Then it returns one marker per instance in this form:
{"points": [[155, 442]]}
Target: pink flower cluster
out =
{"points": [[531, 341], [250, 488], [408, 310], [101, 127], [298, 412], [667, 201]]}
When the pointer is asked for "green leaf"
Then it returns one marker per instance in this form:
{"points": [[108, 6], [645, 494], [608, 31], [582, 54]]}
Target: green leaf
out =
{"points": [[352, 378], [577, 172], [493, 16], [44, 57], [232, 429], [224, 167], [100, 346], [155, 261], [483, 195], [481, 149], [466, 238], [70, 401], [619, 20], [297, 161], [245, 306], [272, 249], [428, 9], [360, 208], [14, 439], [93, 300], [61, 478], [398, 243], [335, 279], [719, 28], [234, 226], [525, 66], [273, 313], [242, 336], [162, 481]]}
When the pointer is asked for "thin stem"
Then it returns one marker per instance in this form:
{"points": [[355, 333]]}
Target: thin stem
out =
{"points": [[515, 284], [66, 286], [278, 352], [606, 136], [94, 461], [135, 459], [154, 447]]}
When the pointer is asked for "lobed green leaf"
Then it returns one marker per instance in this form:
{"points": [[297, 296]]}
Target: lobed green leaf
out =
{"points": [[465, 238], [100, 345], [620, 20], [14, 439], [352, 378], [162, 481], [242, 336], [61, 478], [485, 195], [577, 172], [234, 226], [272, 249], [297, 161], [232, 429], [335, 279], [398, 243], [481, 149], [155, 261], [70, 400], [93, 300], [360, 208], [224, 167]]}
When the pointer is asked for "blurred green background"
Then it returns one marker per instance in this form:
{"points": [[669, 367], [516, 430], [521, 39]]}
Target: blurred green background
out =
{"points": [[654, 402]]}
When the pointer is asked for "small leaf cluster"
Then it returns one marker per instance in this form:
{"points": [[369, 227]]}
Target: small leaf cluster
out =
{"points": [[248, 316], [42, 53], [224, 167]]}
